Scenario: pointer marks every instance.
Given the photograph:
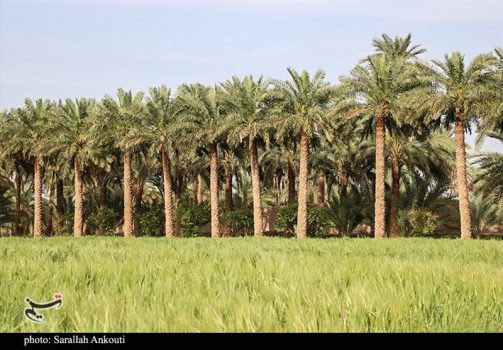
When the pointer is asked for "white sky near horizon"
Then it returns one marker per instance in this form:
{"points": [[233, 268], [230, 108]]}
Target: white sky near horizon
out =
{"points": [[71, 48]]}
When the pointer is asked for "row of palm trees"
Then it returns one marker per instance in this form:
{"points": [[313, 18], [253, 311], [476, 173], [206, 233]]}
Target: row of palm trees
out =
{"points": [[392, 99]]}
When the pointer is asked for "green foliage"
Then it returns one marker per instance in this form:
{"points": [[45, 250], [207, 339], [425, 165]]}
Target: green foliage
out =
{"points": [[241, 221], [419, 222], [490, 177], [120, 120], [6, 210], [346, 211], [486, 210], [150, 222], [191, 216], [317, 220], [249, 285], [463, 88], [390, 83], [287, 219], [304, 100], [202, 112], [67, 228], [104, 219], [419, 193]]}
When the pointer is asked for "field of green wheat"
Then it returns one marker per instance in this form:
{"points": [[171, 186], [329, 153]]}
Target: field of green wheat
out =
{"points": [[258, 285]]}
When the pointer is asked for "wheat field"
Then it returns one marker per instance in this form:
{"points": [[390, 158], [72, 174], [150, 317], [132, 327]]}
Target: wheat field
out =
{"points": [[253, 285]]}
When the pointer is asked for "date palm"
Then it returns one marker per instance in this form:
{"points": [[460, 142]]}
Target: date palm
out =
{"points": [[27, 131], [397, 47], [460, 96], [372, 93], [303, 108], [492, 106], [122, 122], [490, 177], [70, 123], [162, 121], [247, 102], [15, 164], [433, 156], [203, 113], [281, 159]]}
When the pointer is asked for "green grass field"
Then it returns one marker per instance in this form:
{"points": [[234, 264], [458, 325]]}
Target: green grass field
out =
{"points": [[246, 284]]}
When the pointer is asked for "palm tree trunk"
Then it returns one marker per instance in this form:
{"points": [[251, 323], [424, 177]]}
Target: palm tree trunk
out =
{"points": [[228, 189], [179, 187], [138, 197], [291, 183], [50, 211], [37, 225], [102, 199], [344, 182], [464, 203], [60, 204], [310, 194], [380, 171], [302, 209], [168, 193], [278, 189], [321, 189], [228, 198], [17, 223], [128, 198], [77, 219], [215, 222], [395, 196], [178, 199], [199, 189], [194, 191], [255, 174]]}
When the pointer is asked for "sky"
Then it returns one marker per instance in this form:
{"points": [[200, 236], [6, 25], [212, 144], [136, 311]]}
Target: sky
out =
{"points": [[88, 48]]}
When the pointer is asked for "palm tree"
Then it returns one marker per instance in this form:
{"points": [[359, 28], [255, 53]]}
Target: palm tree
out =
{"points": [[302, 110], [423, 195], [162, 119], [487, 207], [372, 93], [486, 211], [490, 176], [493, 105], [202, 110], [397, 47], [247, 102], [281, 158], [15, 163], [7, 211], [71, 124], [27, 133], [102, 172], [433, 156], [460, 95], [122, 123]]}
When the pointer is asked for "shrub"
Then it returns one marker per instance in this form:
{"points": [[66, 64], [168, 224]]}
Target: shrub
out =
{"points": [[105, 219], [191, 216], [346, 210], [240, 221], [317, 220], [150, 222], [422, 221]]}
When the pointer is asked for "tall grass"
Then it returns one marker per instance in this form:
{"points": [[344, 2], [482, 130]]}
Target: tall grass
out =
{"points": [[246, 284]]}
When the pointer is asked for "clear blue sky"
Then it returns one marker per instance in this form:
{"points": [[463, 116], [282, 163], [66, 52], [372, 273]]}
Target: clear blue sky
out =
{"points": [[56, 49]]}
